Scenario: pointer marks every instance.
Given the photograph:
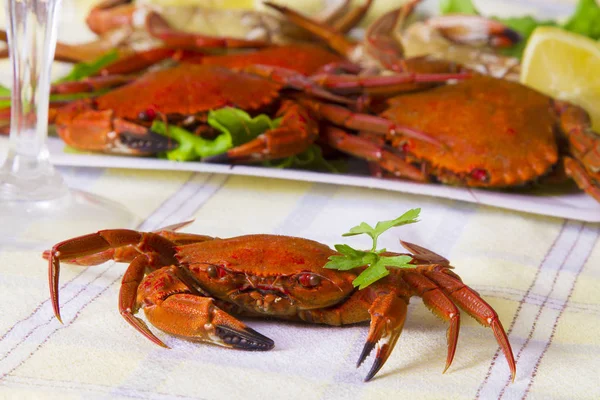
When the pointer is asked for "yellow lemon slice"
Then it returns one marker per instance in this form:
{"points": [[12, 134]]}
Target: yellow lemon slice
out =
{"points": [[566, 66]]}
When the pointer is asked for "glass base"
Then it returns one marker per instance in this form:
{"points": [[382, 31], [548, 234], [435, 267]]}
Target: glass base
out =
{"points": [[38, 225]]}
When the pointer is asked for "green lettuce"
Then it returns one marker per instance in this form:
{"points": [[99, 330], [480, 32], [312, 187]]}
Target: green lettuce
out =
{"points": [[236, 126]]}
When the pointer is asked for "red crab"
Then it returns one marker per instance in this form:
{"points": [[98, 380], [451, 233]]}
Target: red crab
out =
{"points": [[192, 286], [496, 133]]}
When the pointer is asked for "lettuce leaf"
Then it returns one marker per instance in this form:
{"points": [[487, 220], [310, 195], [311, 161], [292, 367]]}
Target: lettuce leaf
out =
{"points": [[84, 70], [236, 127]]}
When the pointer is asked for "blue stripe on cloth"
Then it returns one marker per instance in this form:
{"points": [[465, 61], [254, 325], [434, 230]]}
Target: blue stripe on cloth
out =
{"points": [[28, 335]]}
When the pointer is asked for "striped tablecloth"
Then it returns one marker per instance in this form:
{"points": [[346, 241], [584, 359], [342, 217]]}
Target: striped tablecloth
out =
{"points": [[541, 274]]}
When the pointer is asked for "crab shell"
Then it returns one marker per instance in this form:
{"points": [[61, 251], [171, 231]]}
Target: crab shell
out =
{"points": [[117, 122], [189, 89], [496, 132], [235, 270]]}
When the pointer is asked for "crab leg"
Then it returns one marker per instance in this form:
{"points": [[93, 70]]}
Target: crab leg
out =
{"points": [[99, 247], [176, 310], [294, 80], [371, 151], [590, 184], [441, 306], [381, 42], [129, 252], [128, 305], [584, 145], [99, 242], [350, 19], [475, 29], [364, 122], [158, 27], [383, 84], [334, 39], [91, 84], [387, 313], [468, 300], [139, 61], [110, 14]]}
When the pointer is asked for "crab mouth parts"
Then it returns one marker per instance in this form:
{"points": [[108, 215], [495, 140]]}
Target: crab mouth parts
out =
{"points": [[264, 290], [264, 299]]}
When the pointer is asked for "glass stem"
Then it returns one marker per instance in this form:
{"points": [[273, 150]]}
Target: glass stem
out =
{"points": [[27, 173]]}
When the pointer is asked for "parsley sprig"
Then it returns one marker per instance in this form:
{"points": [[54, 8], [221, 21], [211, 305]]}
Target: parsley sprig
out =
{"points": [[376, 263]]}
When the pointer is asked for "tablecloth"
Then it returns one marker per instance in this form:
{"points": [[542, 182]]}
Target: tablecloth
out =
{"points": [[541, 274]]}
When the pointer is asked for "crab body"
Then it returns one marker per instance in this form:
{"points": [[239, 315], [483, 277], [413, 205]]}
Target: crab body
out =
{"points": [[118, 121], [496, 133], [196, 286]]}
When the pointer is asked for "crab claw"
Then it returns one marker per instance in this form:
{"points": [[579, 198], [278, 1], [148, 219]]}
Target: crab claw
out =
{"points": [[81, 126], [198, 318], [246, 339], [388, 313], [474, 29]]}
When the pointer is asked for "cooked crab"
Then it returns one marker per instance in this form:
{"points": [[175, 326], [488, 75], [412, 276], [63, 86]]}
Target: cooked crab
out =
{"points": [[192, 286]]}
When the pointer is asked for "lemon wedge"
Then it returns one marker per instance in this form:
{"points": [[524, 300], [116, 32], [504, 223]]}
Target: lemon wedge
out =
{"points": [[566, 66]]}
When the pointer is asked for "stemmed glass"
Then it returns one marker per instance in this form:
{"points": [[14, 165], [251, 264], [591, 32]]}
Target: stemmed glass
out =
{"points": [[37, 209]]}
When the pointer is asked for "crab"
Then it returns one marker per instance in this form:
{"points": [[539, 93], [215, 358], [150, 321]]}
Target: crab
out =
{"points": [[110, 15], [382, 49], [483, 115], [118, 121], [497, 133], [195, 286], [136, 27]]}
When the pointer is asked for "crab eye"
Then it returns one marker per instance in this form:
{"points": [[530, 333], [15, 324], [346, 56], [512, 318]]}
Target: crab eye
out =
{"points": [[309, 280], [215, 271], [211, 271]]}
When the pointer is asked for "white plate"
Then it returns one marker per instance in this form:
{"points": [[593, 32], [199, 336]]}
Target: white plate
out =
{"points": [[575, 205]]}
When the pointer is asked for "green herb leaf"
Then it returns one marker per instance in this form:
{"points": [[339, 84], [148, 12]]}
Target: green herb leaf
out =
{"points": [[350, 259], [376, 264], [360, 229], [457, 7], [5, 95], [349, 251], [191, 147], [397, 261], [409, 217], [237, 128], [344, 263], [239, 125], [372, 274], [84, 70]]}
